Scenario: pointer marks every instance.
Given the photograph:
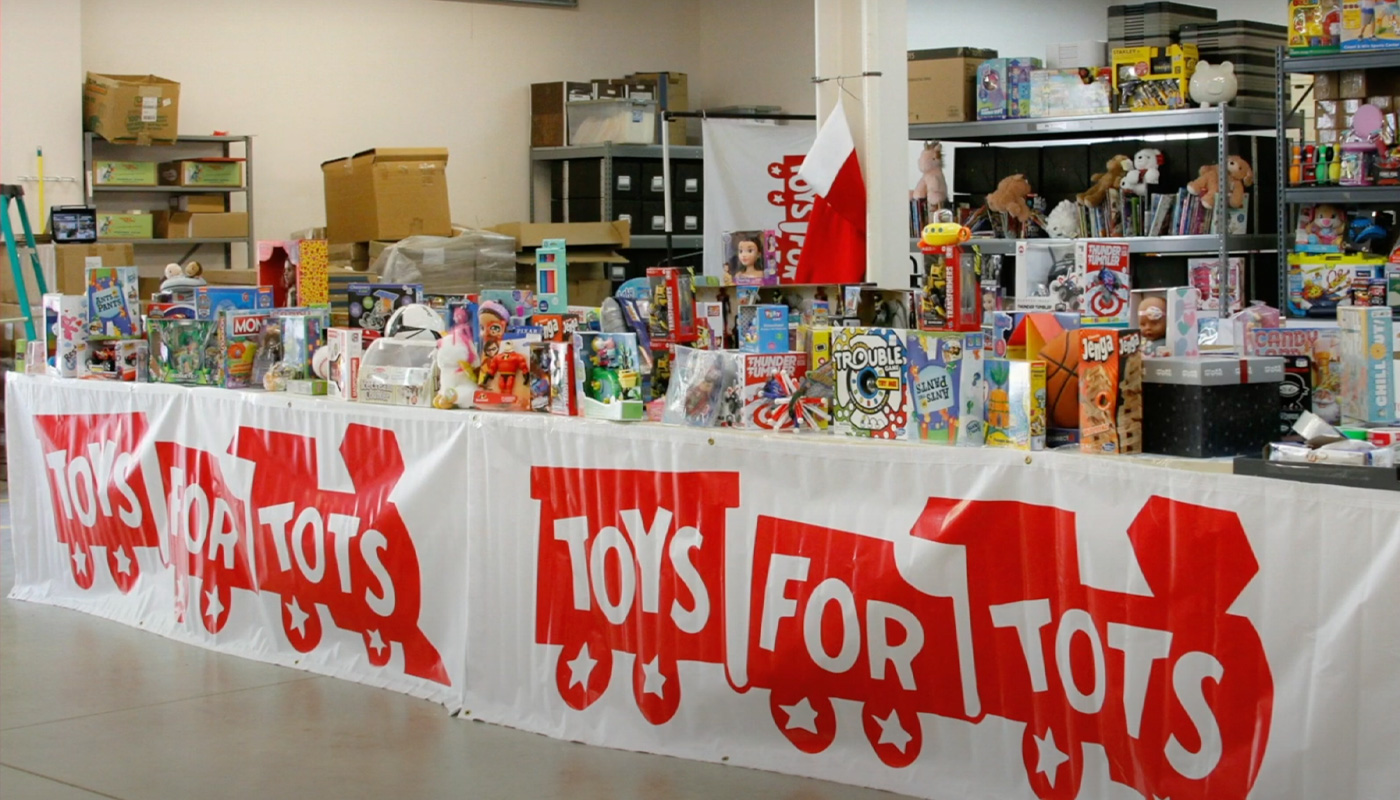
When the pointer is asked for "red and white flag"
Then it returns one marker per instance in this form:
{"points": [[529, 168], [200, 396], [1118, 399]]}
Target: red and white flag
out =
{"points": [[834, 251]]}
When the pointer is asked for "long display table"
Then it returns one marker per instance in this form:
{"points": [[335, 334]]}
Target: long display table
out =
{"points": [[941, 622]]}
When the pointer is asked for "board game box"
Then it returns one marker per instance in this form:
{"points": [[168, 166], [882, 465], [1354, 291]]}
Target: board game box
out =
{"points": [[1110, 391], [871, 397], [113, 304], [947, 386], [1015, 404]]}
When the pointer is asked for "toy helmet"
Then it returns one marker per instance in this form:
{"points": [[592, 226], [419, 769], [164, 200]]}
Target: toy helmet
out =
{"points": [[416, 321]]}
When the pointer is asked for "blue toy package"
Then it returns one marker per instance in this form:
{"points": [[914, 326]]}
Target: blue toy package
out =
{"points": [[210, 301], [1004, 88], [114, 310], [947, 386], [763, 329]]}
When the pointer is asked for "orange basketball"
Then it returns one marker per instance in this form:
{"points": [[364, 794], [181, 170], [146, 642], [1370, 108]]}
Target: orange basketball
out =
{"points": [[1061, 357]]}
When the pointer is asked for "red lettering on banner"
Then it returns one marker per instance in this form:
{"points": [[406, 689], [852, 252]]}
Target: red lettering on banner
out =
{"points": [[206, 533], [98, 491], [631, 561], [981, 612], [795, 199], [348, 551]]}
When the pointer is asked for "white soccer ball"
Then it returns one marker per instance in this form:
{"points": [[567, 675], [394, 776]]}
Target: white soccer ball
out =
{"points": [[415, 321]]}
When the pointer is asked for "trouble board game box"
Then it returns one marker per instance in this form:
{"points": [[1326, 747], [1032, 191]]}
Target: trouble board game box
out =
{"points": [[871, 397]]}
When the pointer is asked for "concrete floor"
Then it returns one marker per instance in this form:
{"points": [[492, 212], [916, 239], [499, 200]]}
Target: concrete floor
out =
{"points": [[93, 709]]}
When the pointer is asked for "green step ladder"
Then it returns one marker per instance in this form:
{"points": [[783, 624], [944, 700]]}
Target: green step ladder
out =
{"points": [[13, 194]]}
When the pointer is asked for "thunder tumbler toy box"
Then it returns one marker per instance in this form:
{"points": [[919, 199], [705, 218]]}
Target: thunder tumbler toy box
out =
{"points": [[113, 305], [769, 382], [948, 387], [871, 396], [1110, 391]]}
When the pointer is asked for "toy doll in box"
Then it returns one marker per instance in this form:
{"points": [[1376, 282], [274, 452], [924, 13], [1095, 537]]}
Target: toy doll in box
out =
{"points": [[746, 259], [607, 381], [562, 400], [183, 351]]}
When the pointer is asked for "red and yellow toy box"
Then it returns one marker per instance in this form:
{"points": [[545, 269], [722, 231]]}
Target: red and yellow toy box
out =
{"points": [[1110, 391], [672, 315]]}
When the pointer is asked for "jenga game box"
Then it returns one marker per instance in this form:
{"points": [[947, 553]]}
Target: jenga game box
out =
{"points": [[1110, 391]]}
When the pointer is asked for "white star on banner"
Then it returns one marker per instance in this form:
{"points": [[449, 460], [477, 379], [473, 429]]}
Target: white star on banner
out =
{"points": [[376, 643], [1050, 756], [299, 617], [80, 558], [801, 715], [891, 732], [652, 679], [215, 608], [123, 561], [581, 667]]}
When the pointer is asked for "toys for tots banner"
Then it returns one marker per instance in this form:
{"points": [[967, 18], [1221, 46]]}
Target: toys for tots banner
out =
{"points": [[937, 622], [288, 536], [751, 184]]}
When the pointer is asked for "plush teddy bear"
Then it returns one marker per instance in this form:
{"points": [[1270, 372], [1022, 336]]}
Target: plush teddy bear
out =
{"points": [[1010, 197], [932, 186], [1146, 171], [1104, 182], [1241, 176], [1063, 221]]}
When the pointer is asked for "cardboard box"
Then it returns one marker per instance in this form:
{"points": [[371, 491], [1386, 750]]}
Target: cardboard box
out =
{"points": [[132, 109], [72, 260], [124, 173], [186, 225], [943, 84], [672, 93], [199, 203], [202, 172], [547, 113], [575, 234], [387, 193], [125, 226]]}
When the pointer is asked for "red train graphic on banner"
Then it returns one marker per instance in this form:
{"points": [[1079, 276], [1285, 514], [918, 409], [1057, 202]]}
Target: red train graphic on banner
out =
{"points": [[630, 562], [99, 491], [978, 611]]}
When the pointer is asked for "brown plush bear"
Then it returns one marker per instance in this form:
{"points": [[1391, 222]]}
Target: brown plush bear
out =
{"points": [[1118, 167], [1010, 197], [1208, 183]]}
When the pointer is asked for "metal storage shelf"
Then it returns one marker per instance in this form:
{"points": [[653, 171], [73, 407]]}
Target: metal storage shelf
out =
{"points": [[1361, 59], [685, 241], [237, 240], [1098, 126], [225, 147], [173, 189], [610, 150], [1204, 243], [1342, 194]]}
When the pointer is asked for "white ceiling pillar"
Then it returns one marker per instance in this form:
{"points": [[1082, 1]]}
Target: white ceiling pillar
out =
{"points": [[861, 36]]}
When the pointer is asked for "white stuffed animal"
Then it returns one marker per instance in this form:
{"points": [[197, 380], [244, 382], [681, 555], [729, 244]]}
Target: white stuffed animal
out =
{"points": [[1146, 171], [1063, 222], [456, 359], [1214, 83], [932, 186]]}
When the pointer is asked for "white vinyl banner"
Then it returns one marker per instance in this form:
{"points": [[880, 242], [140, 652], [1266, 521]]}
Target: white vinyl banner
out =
{"points": [[751, 184], [946, 623]]}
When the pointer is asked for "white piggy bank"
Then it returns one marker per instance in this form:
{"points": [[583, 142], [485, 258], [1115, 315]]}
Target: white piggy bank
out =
{"points": [[1214, 83]]}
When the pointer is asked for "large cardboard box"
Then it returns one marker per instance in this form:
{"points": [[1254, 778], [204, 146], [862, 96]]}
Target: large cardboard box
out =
{"points": [[125, 226], [200, 203], [70, 264], [575, 234], [672, 94], [132, 109], [387, 193], [188, 225], [548, 126], [202, 172], [942, 84], [124, 173]]}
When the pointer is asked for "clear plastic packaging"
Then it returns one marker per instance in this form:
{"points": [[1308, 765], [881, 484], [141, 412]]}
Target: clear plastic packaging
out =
{"points": [[463, 264], [697, 385]]}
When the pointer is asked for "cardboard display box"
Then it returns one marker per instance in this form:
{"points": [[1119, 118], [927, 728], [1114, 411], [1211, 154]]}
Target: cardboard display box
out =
{"points": [[132, 109], [200, 203], [125, 226], [202, 172], [124, 173], [387, 193], [942, 83], [547, 113], [187, 225]]}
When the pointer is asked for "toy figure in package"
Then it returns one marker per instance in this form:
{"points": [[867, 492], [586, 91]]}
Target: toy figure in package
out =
{"points": [[695, 392], [871, 393], [114, 309], [1015, 404], [947, 387], [562, 400], [183, 351], [607, 380], [541, 358], [672, 312], [503, 378], [118, 360], [371, 304]]}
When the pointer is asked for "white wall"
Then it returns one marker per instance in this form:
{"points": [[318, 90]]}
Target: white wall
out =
{"points": [[319, 79], [41, 79], [758, 53], [1011, 27]]}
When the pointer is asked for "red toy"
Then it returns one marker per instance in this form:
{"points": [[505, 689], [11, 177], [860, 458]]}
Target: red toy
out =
{"points": [[672, 315]]}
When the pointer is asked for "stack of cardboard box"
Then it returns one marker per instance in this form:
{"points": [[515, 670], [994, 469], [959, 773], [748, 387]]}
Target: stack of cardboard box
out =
{"points": [[379, 196], [201, 216], [550, 112], [591, 247]]}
